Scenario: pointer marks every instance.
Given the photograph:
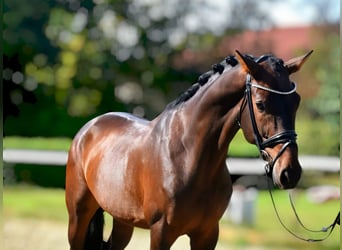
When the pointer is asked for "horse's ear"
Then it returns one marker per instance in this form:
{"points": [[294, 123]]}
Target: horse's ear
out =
{"points": [[294, 64], [248, 64]]}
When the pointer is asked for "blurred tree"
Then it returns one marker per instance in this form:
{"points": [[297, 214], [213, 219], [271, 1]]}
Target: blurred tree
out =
{"points": [[326, 70], [68, 60], [326, 103]]}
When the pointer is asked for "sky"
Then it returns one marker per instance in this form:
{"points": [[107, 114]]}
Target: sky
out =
{"points": [[302, 12], [288, 12]]}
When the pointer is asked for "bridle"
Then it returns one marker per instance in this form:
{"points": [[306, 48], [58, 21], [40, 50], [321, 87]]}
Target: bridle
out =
{"points": [[286, 138]]}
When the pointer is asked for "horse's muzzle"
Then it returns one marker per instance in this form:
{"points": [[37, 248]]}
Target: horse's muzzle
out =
{"points": [[289, 177], [286, 176]]}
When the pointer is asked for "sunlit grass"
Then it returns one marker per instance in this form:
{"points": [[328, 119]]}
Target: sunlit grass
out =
{"points": [[55, 143], [313, 215], [267, 231], [48, 204], [312, 140], [33, 202], [239, 147]]}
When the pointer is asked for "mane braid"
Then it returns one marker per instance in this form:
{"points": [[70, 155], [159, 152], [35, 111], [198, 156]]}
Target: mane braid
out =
{"points": [[202, 80]]}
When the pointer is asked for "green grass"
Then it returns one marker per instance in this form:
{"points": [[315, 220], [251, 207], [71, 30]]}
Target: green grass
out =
{"points": [[48, 204], [239, 147], [56, 143], [268, 232], [27, 201], [314, 216], [315, 137]]}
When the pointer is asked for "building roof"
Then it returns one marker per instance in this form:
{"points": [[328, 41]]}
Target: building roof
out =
{"points": [[282, 42]]}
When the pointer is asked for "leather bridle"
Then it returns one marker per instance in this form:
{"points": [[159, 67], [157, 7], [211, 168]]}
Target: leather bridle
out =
{"points": [[286, 137]]}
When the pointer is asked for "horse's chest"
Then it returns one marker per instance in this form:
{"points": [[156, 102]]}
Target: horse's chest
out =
{"points": [[202, 204]]}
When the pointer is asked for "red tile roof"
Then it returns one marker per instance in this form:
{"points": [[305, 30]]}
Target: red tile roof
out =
{"points": [[283, 42]]}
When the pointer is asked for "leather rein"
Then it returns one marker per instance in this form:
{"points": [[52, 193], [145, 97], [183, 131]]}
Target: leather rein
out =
{"points": [[286, 138]]}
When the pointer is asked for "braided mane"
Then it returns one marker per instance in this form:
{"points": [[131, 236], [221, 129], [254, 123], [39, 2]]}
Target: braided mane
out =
{"points": [[276, 64], [202, 80]]}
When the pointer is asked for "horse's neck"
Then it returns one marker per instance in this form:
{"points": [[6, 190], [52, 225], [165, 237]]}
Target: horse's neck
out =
{"points": [[210, 116]]}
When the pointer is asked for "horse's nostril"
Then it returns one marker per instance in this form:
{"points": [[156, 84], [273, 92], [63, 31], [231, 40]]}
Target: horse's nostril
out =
{"points": [[289, 177], [284, 178]]}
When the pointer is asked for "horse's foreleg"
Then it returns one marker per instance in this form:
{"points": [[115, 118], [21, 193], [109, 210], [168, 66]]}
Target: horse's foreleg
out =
{"points": [[161, 236], [120, 236], [205, 238]]}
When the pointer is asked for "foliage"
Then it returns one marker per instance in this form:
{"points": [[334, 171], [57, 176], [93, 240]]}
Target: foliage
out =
{"points": [[325, 105], [312, 140], [66, 61], [316, 136]]}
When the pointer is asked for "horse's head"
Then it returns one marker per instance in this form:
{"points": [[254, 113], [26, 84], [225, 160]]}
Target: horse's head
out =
{"points": [[267, 114]]}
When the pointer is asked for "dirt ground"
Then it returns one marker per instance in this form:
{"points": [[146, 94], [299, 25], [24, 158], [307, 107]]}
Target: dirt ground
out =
{"points": [[29, 234]]}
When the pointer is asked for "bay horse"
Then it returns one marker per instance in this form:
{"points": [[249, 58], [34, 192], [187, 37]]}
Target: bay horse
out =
{"points": [[169, 175]]}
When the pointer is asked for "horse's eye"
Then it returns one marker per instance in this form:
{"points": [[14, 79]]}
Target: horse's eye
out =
{"points": [[260, 106]]}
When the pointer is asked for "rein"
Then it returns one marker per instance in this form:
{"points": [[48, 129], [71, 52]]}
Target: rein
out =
{"points": [[286, 138], [323, 230]]}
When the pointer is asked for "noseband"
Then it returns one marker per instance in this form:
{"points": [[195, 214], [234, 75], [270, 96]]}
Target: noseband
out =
{"points": [[286, 137]]}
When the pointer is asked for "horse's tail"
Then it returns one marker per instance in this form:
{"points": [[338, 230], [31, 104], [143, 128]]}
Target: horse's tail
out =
{"points": [[94, 237]]}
